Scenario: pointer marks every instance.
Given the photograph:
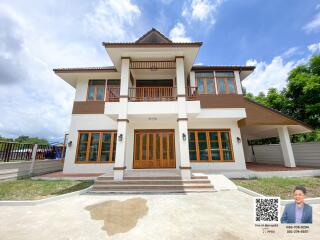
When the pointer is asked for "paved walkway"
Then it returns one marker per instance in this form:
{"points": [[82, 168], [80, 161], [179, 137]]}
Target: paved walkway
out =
{"points": [[220, 215]]}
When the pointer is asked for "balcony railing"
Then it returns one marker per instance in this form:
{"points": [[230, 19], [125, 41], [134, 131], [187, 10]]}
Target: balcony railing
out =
{"points": [[137, 94], [141, 94], [192, 93], [112, 94]]}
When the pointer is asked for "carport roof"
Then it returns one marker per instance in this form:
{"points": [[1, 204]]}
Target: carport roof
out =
{"points": [[258, 114]]}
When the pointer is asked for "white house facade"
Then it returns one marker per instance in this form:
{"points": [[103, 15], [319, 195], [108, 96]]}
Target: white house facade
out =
{"points": [[154, 109]]}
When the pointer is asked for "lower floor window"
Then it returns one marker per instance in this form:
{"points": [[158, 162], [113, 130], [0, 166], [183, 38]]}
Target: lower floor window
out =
{"points": [[96, 146], [210, 145]]}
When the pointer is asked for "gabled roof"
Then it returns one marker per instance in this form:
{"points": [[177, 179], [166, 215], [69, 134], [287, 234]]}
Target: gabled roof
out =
{"points": [[153, 36]]}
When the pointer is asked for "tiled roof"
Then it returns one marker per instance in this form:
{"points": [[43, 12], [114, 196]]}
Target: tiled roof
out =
{"points": [[230, 67], [133, 44], [85, 69], [113, 69]]}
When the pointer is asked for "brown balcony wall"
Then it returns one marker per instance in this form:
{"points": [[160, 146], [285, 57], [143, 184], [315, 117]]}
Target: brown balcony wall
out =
{"points": [[221, 101]]}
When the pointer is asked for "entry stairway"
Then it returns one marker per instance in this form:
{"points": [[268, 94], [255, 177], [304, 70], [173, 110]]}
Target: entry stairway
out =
{"points": [[152, 184]]}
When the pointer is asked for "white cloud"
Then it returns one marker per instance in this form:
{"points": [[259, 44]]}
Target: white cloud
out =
{"points": [[201, 10], [112, 19], [313, 25], [33, 41], [251, 62], [267, 75], [290, 52], [178, 34], [315, 47]]}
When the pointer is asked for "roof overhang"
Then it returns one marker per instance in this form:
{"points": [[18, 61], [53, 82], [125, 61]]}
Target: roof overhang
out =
{"points": [[269, 131], [244, 71], [71, 75], [152, 52], [263, 122]]}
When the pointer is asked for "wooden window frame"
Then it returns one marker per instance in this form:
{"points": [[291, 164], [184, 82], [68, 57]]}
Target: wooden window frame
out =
{"points": [[98, 161], [207, 131], [205, 86], [95, 90], [226, 83]]}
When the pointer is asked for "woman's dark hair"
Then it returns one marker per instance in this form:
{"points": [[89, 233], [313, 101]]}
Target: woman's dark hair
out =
{"points": [[301, 188]]}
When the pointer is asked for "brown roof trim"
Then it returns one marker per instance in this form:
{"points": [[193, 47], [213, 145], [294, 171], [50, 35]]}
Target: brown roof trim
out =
{"points": [[222, 68], [283, 114], [135, 45], [113, 69], [150, 31], [86, 69]]}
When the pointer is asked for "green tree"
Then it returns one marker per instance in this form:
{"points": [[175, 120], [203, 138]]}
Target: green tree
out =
{"points": [[31, 140], [303, 92], [299, 99]]}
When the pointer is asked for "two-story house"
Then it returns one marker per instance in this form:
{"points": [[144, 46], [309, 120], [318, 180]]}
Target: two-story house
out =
{"points": [[154, 109]]}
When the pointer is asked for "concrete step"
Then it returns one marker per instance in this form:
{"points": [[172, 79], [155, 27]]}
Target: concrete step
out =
{"points": [[152, 182], [139, 191], [151, 178], [151, 187]]}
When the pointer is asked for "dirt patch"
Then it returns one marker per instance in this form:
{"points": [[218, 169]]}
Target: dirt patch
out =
{"points": [[119, 216]]}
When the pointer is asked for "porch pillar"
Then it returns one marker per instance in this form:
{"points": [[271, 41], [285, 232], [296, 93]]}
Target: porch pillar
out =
{"points": [[123, 122], [286, 147], [246, 148], [185, 166]]}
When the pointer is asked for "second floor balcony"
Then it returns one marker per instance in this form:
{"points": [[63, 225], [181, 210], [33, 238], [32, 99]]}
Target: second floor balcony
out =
{"points": [[150, 94]]}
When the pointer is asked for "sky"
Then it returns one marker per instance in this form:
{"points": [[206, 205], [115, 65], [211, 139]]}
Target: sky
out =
{"points": [[37, 36]]}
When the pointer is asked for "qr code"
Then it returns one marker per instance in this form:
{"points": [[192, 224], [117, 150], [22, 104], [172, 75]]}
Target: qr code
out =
{"points": [[266, 209]]}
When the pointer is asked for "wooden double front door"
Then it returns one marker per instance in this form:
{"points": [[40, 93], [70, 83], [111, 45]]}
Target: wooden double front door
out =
{"points": [[154, 149]]}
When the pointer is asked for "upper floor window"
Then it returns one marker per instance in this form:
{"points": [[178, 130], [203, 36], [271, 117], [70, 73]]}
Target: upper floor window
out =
{"points": [[96, 90], [226, 82], [205, 82], [216, 82]]}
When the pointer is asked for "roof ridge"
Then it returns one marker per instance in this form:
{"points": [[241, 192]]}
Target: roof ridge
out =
{"points": [[149, 32]]}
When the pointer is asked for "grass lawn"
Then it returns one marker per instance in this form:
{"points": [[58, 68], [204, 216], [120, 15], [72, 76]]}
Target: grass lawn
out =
{"points": [[27, 189], [282, 187]]}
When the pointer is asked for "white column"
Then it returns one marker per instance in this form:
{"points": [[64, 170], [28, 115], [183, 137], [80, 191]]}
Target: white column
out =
{"points": [[122, 129], [192, 79], [185, 166], [238, 82], [246, 148], [286, 147]]}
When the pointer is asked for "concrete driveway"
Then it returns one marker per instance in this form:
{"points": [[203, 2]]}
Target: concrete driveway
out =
{"points": [[219, 215]]}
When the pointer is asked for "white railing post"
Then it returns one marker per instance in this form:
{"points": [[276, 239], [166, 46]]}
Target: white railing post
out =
{"points": [[33, 158]]}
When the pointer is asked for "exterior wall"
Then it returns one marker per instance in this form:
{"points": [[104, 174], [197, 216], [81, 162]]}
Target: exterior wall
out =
{"points": [[20, 169], [101, 122], [305, 154], [86, 122], [239, 160], [145, 108], [81, 90]]}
